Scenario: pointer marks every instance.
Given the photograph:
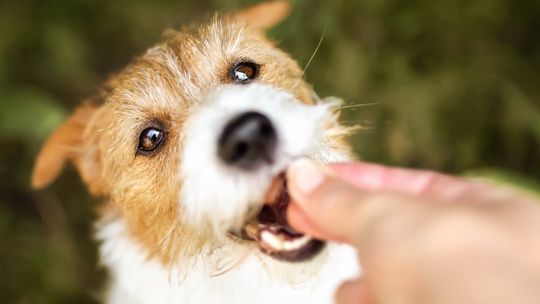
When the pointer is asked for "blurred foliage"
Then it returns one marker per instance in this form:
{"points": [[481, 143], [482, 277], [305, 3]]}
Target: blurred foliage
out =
{"points": [[455, 85]]}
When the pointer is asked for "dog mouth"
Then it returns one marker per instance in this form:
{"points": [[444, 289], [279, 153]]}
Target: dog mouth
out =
{"points": [[272, 233]]}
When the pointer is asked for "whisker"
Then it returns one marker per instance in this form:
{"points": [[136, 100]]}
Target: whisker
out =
{"points": [[315, 52], [309, 61], [242, 253], [358, 105]]}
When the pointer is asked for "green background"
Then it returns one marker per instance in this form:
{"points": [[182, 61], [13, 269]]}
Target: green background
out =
{"points": [[454, 85]]}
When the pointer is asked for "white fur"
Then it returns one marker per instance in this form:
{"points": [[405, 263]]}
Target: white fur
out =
{"points": [[220, 195], [136, 279]]}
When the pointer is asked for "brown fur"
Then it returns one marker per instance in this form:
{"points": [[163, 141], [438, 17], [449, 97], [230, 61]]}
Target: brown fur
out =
{"points": [[162, 87]]}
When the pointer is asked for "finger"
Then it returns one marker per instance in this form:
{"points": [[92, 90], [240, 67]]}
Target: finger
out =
{"points": [[299, 220], [333, 208], [353, 292], [427, 184]]}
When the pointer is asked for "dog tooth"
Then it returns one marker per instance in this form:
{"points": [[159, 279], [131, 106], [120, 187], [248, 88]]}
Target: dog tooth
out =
{"points": [[278, 243], [296, 243], [275, 241]]}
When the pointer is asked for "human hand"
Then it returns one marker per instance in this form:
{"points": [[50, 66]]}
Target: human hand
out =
{"points": [[422, 237]]}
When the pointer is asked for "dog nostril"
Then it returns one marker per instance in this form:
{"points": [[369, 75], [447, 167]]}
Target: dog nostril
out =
{"points": [[248, 141], [239, 151], [266, 130]]}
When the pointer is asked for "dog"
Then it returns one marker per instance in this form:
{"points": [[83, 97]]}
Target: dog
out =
{"points": [[188, 146]]}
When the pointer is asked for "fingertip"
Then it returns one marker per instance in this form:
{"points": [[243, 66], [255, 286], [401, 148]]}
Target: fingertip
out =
{"points": [[304, 178], [300, 221], [322, 204]]}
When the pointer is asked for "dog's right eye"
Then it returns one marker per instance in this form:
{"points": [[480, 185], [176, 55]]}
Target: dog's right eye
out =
{"points": [[149, 140]]}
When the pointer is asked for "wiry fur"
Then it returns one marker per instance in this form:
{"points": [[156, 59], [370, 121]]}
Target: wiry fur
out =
{"points": [[166, 215]]}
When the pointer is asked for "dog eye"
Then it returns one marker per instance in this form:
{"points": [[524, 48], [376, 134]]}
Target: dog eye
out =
{"points": [[244, 71], [149, 140]]}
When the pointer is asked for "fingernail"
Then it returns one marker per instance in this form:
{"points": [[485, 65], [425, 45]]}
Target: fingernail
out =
{"points": [[306, 176]]}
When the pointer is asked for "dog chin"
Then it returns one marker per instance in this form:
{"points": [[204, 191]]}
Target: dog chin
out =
{"points": [[222, 198]]}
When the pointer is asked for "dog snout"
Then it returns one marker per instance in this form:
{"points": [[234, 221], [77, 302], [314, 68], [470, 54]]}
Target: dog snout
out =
{"points": [[248, 141]]}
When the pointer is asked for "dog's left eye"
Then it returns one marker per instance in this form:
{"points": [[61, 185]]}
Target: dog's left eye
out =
{"points": [[244, 71], [149, 140]]}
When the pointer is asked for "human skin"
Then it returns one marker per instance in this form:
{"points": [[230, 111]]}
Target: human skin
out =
{"points": [[422, 237]]}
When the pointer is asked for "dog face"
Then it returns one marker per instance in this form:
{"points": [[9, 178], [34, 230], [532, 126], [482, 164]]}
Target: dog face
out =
{"points": [[189, 141]]}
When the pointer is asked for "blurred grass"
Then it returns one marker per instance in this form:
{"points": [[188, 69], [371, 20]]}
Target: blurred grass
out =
{"points": [[455, 82]]}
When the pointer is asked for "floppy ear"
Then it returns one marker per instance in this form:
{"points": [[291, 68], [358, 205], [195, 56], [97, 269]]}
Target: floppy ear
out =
{"points": [[70, 142], [264, 15]]}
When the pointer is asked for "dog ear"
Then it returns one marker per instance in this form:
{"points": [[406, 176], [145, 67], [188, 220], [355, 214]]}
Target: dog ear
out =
{"points": [[265, 15], [73, 141]]}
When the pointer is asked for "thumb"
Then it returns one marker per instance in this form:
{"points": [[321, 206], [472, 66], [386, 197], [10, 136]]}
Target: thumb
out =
{"points": [[329, 208]]}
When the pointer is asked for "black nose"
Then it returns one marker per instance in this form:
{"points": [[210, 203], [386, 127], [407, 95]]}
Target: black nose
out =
{"points": [[248, 141]]}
